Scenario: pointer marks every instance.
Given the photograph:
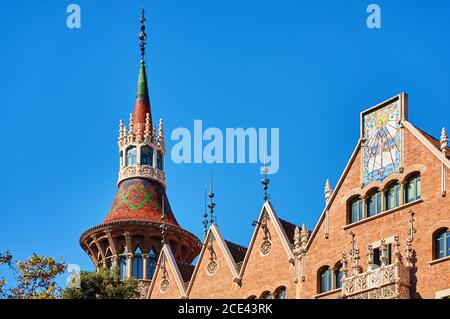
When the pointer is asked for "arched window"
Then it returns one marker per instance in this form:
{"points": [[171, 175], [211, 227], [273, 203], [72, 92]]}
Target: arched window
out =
{"points": [[412, 189], [393, 196], [266, 295], [123, 265], [146, 155], [138, 264], [326, 279], [373, 204], [442, 244], [338, 275], [151, 264], [280, 293], [159, 160], [355, 209], [131, 156]]}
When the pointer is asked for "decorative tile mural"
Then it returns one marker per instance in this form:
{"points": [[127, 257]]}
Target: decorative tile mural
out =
{"points": [[383, 143]]}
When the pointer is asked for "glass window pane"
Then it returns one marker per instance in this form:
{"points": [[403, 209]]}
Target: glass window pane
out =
{"points": [[131, 156], [440, 247], [418, 187], [447, 243], [146, 156], [159, 161]]}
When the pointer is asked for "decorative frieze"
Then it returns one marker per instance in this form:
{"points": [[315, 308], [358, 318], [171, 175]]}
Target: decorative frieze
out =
{"points": [[143, 171]]}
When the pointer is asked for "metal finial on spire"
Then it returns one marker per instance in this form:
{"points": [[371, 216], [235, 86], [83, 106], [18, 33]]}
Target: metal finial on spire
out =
{"points": [[265, 181], [142, 34], [163, 225], [205, 220], [211, 204]]}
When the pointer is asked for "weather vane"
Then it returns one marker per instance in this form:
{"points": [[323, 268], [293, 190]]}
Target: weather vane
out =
{"points": [[211, 204], [265, 181], [205, 220], [142, 34]]}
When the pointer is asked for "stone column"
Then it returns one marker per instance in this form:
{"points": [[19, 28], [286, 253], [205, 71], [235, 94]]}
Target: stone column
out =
{"points": [[402, 193], [145, 265], [130, 266], [364, 210], [383, 200]]}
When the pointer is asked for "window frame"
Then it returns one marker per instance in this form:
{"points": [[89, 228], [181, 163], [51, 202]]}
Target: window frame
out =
{"points": [[128, 161], [374, 204], [325, 277], [357, 202], [394, 189], [147, 155], [414, 182], [444, 235]]}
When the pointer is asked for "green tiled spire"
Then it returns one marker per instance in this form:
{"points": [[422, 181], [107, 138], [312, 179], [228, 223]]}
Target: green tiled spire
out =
{"points": [[142, 90]]}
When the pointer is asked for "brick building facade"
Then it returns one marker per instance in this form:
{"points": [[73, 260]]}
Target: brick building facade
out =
{"points": [[384, 231]]}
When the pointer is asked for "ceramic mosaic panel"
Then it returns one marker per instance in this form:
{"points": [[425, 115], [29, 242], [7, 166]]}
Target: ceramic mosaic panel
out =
{"points": [[383, 143]]}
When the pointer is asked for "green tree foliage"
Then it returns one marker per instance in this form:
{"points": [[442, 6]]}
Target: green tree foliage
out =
{"points": [[103, 284], [35, 277]]}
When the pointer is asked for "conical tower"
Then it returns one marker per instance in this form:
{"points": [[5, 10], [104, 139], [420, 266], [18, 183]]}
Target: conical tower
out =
{"points": [[131, 235]]}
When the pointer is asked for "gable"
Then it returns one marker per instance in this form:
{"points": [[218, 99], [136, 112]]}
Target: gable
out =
{"points": [[269, 249], [168, 281], [216, 271]]}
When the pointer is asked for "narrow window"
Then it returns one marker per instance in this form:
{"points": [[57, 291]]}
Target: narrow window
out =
{"points": [[266, 295], [280, 293], [412, 189], [159, 160], [123, 265], [151, 264], [356, 209], [325, 277], [377, 255], [374, 204], [442, 244], [146, 156], [138, 264], [393, 196], [131, 156], [338, 276]]}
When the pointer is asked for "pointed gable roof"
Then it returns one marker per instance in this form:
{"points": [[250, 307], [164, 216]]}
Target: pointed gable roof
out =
{"points": [[226, 247], [280, 230], [237, 251], [173, 265], [186, 271]]}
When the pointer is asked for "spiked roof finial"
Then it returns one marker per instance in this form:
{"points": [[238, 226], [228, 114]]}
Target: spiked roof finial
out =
{"points": [[328, 191], [444, 140]]}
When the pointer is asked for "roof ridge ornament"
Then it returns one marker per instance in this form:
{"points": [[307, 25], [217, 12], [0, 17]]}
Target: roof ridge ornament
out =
{"points": [[328, 191], [211, 205], [444, 140], [265, 181]]}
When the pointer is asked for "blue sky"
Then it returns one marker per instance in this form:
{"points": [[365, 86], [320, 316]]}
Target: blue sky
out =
{"points": [[306, 67]]}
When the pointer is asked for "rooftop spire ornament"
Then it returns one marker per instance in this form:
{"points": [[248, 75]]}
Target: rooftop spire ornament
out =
{"points": [[265, 181], [142, 34], [205, 220], [444, 140], [163, 225], [211, 204]]}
